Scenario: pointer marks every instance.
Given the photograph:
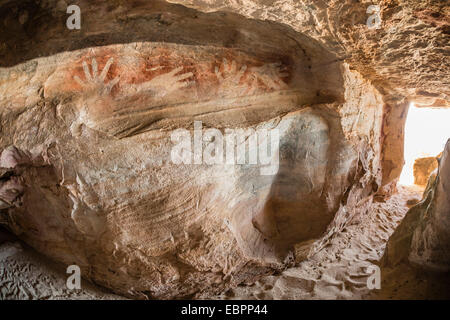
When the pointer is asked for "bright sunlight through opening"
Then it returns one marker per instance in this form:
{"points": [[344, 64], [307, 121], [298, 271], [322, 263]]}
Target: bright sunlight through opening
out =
{"points": [[426, 132]]}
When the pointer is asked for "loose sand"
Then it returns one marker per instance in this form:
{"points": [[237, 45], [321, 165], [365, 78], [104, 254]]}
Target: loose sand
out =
{"points": [[341, 270]]}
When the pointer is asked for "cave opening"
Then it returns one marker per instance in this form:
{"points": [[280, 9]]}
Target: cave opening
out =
{"points": [[426, 133]]}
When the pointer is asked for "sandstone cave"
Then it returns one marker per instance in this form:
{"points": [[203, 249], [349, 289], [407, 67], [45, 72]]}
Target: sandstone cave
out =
{"points": [[203, 149]]}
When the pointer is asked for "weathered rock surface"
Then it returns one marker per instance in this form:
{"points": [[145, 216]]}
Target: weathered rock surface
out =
{"points": [[88, 175], [91, 121], [423, 167], [423, 237], [405, 57], [26, 275]]}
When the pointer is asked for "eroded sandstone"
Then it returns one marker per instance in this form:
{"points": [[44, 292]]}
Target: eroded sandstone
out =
{"points": [[422, 238], [423, 167], [87, 174], [87, 147]]}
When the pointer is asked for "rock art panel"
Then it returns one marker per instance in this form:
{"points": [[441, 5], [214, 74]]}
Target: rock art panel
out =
{"points": [[88, 178]]}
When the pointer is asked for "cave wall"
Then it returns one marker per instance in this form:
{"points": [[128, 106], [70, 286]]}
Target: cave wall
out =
{"points": [[405, 57], [87, 122], [392, 140], [422, 239]]}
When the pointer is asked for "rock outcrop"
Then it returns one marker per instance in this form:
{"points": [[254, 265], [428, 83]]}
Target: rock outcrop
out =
{"points": [[423, 167], [423, 237]]}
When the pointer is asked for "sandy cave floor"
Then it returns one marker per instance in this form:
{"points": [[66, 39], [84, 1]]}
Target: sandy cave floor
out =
{"points": [[339, 271]]}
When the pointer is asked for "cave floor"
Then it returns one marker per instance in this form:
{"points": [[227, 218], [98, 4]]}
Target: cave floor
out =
{"points": [[340, 271]]}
